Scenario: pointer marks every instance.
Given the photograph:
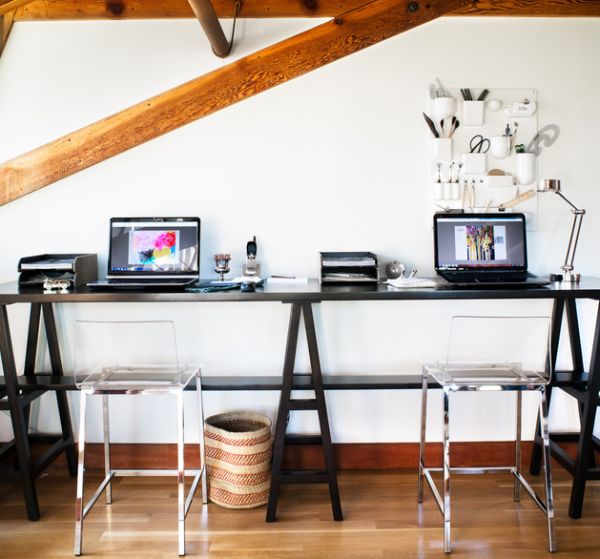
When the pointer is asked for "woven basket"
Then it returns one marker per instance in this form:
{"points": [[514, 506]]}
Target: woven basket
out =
{"points": [[239, 447]]}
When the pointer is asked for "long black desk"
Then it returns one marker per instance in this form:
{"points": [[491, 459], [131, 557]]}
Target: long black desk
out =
{"points": [[17, 392]]}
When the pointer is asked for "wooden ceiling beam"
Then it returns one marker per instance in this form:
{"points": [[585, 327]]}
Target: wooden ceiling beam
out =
{"points": [[148, 9], [7, 6], [260, 71], [6, 23]]}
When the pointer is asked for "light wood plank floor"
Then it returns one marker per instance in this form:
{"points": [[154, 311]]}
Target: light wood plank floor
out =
{"points": [[382, 520]]}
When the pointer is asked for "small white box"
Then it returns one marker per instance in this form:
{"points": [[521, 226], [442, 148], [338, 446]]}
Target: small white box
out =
{"points": [[473, 113], [473, 163]]}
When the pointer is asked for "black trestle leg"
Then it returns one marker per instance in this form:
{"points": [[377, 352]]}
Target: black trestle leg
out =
{"points": [[61, 396], [288, 404], [18, 419]]}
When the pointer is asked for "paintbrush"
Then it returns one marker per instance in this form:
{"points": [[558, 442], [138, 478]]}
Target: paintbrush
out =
{"points": [[431, 125], [454, 127]]}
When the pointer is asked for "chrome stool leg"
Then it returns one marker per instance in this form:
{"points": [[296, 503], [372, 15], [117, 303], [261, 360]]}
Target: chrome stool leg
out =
{"points": [[180, 476], [518, 411], [547, 472], [423, 435], [105, 417], [446, 458], [80, 476], [200, 405]]}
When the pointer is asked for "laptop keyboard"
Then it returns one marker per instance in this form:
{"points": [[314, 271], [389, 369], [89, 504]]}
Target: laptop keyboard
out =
{"points": [[486, 278], [149, 281]]}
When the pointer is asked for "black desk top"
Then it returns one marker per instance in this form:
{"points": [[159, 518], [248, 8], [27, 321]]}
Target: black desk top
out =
{"points": [[589, 288]]}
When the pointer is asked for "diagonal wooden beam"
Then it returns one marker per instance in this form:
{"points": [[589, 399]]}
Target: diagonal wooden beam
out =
{"points": [[143, 9], [267, 68], [6, 23]]}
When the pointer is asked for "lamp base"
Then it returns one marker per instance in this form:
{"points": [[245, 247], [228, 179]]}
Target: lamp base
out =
{"points": [[571, 277]]}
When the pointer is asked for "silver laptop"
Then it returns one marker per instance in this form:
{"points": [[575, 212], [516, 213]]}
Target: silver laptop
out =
{"points": [[152, 252], [483, 250]]}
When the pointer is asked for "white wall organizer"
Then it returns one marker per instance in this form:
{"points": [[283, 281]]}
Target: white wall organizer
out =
{"points": [[473, 161]]}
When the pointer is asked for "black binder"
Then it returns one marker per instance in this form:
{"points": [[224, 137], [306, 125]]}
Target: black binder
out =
{"points": [[77, 269]]}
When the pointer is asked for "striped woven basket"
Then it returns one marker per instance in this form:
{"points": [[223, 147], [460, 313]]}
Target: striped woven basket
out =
{"points": [[239, 447]]}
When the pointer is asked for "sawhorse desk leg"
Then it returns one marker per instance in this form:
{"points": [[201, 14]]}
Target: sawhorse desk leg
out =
{"points": [[17, 417], [587, 402], [288, 404], [19, 406], [61, 396]]}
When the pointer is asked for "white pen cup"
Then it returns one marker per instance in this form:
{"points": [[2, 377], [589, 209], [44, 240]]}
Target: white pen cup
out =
{"points": [[443, 107], [525, 168], [442, 149], [446, 191], [499, 146], [455, 190]]}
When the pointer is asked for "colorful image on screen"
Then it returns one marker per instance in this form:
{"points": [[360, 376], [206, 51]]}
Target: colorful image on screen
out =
{"points": [[154, 248], [480, 243]]}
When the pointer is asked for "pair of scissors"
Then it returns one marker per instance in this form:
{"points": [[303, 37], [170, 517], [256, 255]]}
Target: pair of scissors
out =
{"points": [[479, 144]]}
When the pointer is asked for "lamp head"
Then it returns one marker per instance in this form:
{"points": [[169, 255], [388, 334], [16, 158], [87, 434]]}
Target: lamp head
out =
{"points": [[549, 185]]}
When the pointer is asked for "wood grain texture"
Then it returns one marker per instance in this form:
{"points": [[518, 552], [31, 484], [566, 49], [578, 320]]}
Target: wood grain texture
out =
{"points": [[6, 23], [7, 6], [348, 456], [381, 521], [147, 9], [258, 72]]}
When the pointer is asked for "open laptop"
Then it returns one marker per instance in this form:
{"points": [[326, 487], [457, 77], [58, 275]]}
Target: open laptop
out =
{"points": [[152, 252], [482, 250]]}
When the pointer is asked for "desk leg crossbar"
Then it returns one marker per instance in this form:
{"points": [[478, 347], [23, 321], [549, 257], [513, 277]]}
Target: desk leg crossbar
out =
{"points": [[183, 502], [288, 404]]}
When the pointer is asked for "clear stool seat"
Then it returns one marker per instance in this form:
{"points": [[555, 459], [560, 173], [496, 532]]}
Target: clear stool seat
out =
{"points": [[529, 336], [485, 376], [107, 355], [138, 379]]}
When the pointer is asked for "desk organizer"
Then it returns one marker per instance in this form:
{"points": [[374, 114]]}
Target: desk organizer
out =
{"points": [[349, 267], [77, 269], [461, 178]]}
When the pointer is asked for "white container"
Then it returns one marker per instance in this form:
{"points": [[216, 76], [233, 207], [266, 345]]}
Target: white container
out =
{"points": [[442, 149], [500, 146], [501, 181], [443, 107], [472, 113], [525, 168], [438, 192], [455, 190], [446, 191]]}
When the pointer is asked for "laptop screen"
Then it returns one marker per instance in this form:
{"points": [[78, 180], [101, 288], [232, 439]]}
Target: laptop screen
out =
{"points": [[480, 242], [156, 246]]}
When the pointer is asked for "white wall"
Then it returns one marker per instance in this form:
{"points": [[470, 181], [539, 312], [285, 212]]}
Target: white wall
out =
{"points": [[335, 160]]}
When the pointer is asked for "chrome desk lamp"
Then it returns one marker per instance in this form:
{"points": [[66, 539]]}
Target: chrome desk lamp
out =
{"points": [[553, 185]]}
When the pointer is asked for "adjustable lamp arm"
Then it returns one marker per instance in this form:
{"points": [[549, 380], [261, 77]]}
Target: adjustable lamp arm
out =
{"points": [[553, 185], [578, 214]]}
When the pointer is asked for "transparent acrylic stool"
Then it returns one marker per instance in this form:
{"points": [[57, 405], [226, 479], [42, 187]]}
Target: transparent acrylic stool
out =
{"points": [[524, 340], [107, 357]]}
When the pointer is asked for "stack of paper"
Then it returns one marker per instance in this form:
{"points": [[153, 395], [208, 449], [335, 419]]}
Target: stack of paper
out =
{"points": [[401, 283], [288, 280]]}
